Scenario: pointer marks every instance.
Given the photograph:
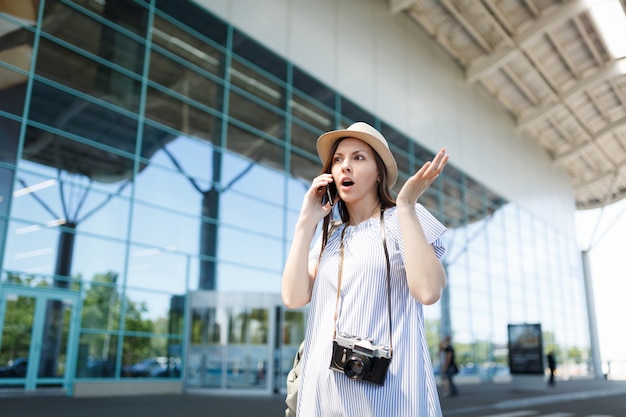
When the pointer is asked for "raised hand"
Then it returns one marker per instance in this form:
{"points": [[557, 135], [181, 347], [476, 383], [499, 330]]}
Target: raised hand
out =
{"points": [[416, 185]]}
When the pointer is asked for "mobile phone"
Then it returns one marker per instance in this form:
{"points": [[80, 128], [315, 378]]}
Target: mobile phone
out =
{"points": [[329, 195]]}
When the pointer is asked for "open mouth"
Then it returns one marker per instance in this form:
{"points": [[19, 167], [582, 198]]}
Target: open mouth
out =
{"points": [[347, 183]]}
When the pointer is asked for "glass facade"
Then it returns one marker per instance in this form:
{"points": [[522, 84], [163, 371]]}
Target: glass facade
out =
{"points": [[149, 151]]}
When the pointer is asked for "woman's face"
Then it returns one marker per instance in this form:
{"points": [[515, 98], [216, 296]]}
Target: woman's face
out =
{"points": [[354, 170]]}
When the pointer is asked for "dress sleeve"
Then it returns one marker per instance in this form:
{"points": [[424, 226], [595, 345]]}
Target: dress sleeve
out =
{"points": [[433, 229]]}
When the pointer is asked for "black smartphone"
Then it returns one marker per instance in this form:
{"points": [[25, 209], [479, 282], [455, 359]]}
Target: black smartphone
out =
{"points": [[329, 195]]}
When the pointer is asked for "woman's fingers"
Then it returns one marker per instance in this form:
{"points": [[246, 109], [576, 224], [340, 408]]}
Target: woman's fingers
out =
{"points": [[431, 169], [416, 185]]}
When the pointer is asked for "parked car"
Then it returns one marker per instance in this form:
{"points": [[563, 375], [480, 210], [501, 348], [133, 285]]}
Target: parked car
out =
{"points": [[148, 367], [15, 369], [100, 368]]}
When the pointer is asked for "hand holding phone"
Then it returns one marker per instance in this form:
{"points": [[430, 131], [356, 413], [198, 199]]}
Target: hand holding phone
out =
{"points": [[329, 195]]}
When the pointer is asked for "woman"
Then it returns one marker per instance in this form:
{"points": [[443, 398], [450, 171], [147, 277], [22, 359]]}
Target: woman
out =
{"points": [[344, 277]]}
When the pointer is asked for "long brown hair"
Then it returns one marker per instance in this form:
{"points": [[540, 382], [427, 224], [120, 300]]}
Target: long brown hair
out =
{"points": [[383, 191]]}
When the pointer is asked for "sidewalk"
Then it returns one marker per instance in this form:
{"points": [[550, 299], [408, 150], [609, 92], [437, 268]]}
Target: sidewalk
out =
{"points": [[502, 396], [488, 396]]}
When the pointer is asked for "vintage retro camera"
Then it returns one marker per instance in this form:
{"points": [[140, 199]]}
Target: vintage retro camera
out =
{"points": [[358, 358]]}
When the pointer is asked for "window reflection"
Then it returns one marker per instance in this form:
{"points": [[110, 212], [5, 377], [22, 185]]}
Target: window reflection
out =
{"points": [[97, 354], [102, 303], [251, 145], [146, 357], [244, 212], [154, 312], [242, 247], [248, 278], [163, 230]]}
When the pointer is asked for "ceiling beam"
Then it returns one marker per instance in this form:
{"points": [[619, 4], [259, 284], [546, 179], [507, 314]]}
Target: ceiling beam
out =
{"points": [[397, 6], [541, 26], [465, 24], [602, 176], [609, 71], [574, 152]]}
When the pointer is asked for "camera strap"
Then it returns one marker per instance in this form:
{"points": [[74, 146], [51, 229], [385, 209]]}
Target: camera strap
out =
{"points": [[388, 278]]}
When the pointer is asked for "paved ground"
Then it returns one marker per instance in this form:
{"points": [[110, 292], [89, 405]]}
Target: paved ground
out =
{"points": [[472, 397]]}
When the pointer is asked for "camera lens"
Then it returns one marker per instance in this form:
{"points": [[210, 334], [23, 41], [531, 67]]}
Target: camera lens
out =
{"points": [[356, 367]]}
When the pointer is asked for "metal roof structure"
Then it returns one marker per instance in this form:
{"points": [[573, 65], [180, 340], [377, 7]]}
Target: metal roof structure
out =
{"points": [[548, 65]]}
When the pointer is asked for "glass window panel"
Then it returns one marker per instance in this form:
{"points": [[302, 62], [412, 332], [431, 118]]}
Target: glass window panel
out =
{"points": [[71, 199], [254, 180], [248, 326], [186, 47], [196, 20], [31, 248], [6, 190], [94, 258], [247, 366], [15, 53], [296, 189], [96, 355], [352, 112], [248, 352], [162, 188], [205, 327], [104, 214], [205, 366], [146, 357], [314, 89], [108, 42], [249, 279], [259, 55], [265, 89], [293, 327], [305, 138], [294, 323], [182, 115], [304, 169], [249, 249], [36, 198], [102, 304], [400, 146], [249, 144], [19, 312], [157, 269], [154, 312], [319, 118], [163, 230], [53, 350], [253, 215], [99, 127], [85, 75]]}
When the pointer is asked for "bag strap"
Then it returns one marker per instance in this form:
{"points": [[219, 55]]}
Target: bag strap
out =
{"points": [[388, 278]]}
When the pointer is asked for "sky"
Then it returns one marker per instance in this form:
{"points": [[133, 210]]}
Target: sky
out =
{"points": [[603, 232]]}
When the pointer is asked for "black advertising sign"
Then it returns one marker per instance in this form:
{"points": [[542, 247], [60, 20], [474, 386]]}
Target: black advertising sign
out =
{"points": [[525, 349]]}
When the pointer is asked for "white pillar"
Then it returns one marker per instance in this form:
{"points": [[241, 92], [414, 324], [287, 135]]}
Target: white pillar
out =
{"points": [[591, 316]]}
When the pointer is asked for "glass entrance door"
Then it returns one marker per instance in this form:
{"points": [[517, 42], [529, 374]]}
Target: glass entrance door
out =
{"points": [[38, 331]]}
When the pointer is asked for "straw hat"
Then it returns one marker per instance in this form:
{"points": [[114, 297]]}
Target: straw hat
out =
{"points": [[367, 134]]}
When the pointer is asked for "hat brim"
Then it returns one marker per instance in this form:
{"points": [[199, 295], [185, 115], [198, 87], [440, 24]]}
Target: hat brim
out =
{"points": [[326, 140]]}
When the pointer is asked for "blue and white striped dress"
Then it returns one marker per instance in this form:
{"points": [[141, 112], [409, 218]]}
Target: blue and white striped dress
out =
{"points": [[410, 388]]}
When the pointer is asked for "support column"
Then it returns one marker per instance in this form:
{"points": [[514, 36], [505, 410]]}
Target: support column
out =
{"points": [[591, 316]]}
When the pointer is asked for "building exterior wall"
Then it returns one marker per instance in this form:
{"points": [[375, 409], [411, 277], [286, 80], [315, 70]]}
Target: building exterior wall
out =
{"points": [[169, 154], [389, 66]]}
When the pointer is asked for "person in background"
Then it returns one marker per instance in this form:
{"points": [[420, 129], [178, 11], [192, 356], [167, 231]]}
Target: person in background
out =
{"points": [[345, 275], [551, 367], [449, 367]]}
